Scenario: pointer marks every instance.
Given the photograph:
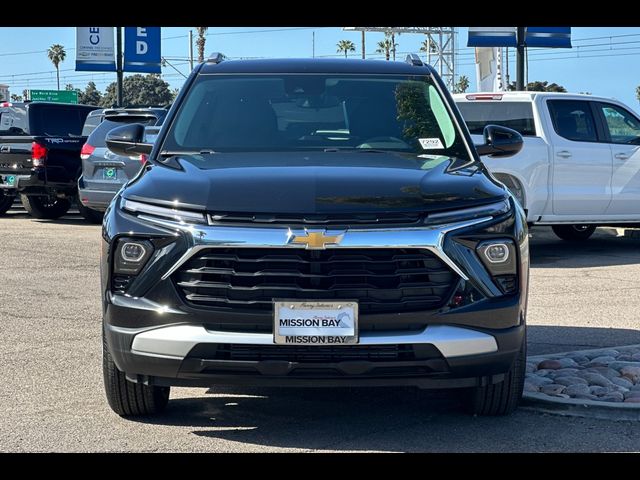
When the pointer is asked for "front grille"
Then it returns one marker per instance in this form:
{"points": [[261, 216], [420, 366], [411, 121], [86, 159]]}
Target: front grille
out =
{"points": [[381, 280], [316, 219], [315, 354]]}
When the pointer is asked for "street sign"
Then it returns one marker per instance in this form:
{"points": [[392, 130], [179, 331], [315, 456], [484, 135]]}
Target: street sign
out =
{"points": [[552, 37], [59, 96], [142, 49]]}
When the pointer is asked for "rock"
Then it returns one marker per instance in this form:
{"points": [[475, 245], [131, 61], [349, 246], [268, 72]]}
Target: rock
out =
{"points": [[607, 372], [632, 394], [578, 358], [552, 389], [549, 364], [618, 388], [612, 397], [586, 397], [544, 372], [622, 382], [595, 379], [530, 387], [632, 400], [635, 388], [635, 357], [563, 372], [567, 362], [530, 368], [601, 361], [538, 381], [561, 395], [621, 365], [598, 391], [625, 358], [578, 389], [632, 373], [568, 380], [602, 353]]}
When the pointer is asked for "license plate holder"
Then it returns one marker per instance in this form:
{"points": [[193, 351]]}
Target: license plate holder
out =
{"points": [[315, 323]]}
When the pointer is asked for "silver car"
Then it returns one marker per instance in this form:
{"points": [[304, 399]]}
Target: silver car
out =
{"points": [[104, 172]]}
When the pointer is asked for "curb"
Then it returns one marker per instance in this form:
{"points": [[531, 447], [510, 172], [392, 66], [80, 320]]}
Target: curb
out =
{"points": [[536, 401]]}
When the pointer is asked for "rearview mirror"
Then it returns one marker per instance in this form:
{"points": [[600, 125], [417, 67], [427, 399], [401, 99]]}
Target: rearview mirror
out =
{"points": [[500, 141], [128, 140]]}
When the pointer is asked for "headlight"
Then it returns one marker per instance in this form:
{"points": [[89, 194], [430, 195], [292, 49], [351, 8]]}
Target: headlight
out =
{"points": [[490, 210], [499, 257], [183, 216]]}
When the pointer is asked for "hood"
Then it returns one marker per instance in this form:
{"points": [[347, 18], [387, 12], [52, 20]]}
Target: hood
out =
{"points": [[318, 182]]}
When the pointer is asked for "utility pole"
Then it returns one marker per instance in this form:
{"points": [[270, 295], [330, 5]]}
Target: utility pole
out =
{"points": [[191, 48], [119, 65], [363, 44], [313, 44], [520, 60], [507, 65]]}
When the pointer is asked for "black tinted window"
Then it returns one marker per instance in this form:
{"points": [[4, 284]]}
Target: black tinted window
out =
{"points": [[57, 120], [515, 115], [573, 120], [90, 124], [98, 136]]}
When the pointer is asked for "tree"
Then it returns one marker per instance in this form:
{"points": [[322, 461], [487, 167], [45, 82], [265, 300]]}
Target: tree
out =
{"points": [[426, 46], [346, 46], [90, 96], [57, 54], [638, 93], [16, 98], [200, 42], [139, 91], [385, 46], [539, 86], [462, 85]]}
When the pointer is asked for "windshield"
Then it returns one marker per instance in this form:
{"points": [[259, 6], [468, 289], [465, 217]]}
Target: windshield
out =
{"points": [[317, 112], [515, 115]]}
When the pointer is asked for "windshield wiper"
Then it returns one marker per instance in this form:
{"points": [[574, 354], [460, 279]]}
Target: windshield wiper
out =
{"points": [[186, 152]]}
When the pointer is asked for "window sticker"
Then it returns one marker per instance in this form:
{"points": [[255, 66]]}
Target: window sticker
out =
{"points": [[430, 143]]}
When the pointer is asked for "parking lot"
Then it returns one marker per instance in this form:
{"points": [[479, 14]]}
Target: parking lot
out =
{"points": [[52, 398]]}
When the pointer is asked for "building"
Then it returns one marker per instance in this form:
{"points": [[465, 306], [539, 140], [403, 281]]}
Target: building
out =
{"points": [[4, 92]]}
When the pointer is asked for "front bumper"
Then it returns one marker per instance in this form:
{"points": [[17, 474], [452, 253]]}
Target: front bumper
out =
{"points": [[189, 355]]}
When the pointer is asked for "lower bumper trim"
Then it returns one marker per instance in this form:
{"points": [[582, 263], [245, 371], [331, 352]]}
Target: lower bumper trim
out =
{"points": [[176, 341]]}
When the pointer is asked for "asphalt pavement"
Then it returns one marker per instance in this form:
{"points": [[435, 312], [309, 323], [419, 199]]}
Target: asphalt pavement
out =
{"points": [[51, 398]]}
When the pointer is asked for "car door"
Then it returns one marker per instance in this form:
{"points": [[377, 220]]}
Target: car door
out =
{"points": [[581, 163], [622, 129]]}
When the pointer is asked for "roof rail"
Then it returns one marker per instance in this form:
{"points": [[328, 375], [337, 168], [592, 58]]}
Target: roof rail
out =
{"points": [[216, 57], [414, 59]]}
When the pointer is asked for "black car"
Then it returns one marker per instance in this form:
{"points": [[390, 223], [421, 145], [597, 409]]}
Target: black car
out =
{"points": [[40, 146], [314, 223]]}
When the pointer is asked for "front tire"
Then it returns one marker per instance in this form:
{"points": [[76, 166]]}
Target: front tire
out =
{"points": [[6, 201], [501, 398], [44, 207], [574, 233], [126, 398]]}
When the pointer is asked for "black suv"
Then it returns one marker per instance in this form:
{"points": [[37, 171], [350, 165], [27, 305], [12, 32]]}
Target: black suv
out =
{"points": [[314, 223], [40, 146]]}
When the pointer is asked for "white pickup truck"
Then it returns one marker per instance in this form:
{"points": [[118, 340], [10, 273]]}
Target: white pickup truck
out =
{"points": [[580, 164]]}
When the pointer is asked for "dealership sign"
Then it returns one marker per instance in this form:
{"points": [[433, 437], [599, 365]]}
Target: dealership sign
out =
{"points": [[142, 49], [551, 37], [95, 49]]}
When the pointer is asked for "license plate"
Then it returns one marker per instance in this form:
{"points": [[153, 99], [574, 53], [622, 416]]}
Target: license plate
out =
{"points": [[9, 180], [315, 323], [110, 173]]}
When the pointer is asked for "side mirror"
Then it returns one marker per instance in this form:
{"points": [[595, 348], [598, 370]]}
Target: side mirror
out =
{"points": [[128, 140], [500, 142]]}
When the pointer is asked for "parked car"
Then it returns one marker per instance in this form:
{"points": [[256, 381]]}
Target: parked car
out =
{"points": [[103, 172], [40, 146], [313, 223], [580, 165]]}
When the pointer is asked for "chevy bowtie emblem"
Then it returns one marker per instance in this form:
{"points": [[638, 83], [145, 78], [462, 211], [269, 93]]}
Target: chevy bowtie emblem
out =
{"points": [[315, 240]]}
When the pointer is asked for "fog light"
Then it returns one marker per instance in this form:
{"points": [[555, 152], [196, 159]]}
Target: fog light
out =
{"points": [[496, 252], [132, 252]]}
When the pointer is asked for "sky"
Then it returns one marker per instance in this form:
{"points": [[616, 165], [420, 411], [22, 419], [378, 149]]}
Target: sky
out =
{"points": [[604, 60]]}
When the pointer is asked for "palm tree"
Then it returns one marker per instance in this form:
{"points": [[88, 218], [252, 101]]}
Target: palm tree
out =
{"points": [[346, 46], [462, 85], [57, 54], [428, 47], [202, 39], [385, 46]]}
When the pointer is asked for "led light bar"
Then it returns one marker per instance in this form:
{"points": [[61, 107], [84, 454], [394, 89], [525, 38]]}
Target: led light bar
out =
{"points": [[162, 212]]}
